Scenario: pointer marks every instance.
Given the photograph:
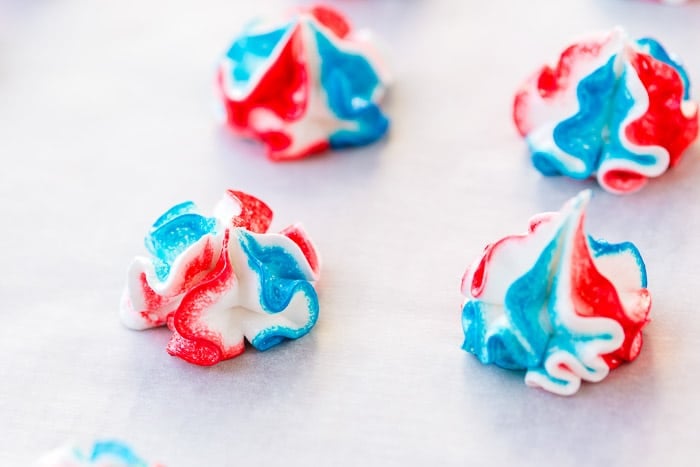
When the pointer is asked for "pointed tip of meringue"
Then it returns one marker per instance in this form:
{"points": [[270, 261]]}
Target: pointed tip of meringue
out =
{"points": [[618, 31], [578, 202], [575, 207], [585, 195]]}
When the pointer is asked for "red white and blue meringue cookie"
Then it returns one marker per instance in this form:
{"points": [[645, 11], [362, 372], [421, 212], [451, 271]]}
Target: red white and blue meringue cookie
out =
{"points": [[304, 84], [100, 454], [612, 108], [217, 281], [556, 303]]}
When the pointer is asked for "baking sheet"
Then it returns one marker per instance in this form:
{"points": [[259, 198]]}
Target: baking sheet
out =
{"points": [[108, 117]]}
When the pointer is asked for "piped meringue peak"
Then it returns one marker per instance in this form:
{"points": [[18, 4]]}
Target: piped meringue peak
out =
{"points": [[218, 281], [613, 108], [556, 303]]}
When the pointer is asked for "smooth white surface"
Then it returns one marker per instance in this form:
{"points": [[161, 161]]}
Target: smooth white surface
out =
{"points": [[107, 119]]}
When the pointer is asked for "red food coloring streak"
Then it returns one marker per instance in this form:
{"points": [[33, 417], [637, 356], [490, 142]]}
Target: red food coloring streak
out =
{"points": [[540, 219], [480, 273], [312, 149], [255, 215], [594, 295], [199, 265], [479, 278], [196, 351], [282, 89], [151, 300], [194, 271], [331, 19], [296, 234], [549, 82], [663, 124], [521, 112], [276, 141], [192, 340], [623, 181]]}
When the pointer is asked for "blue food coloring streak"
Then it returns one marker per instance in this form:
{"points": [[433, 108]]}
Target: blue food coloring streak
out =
{"points": [[657, 51], [250, 52], [522, 343], [601, 248], [564, 339], [350, 82], [174, 232], [581, 135], [102, 450], [280, 279]]}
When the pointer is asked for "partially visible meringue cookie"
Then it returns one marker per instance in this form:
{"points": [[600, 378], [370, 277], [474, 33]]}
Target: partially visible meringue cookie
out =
{"points": [[672, 2], [100, 454]]}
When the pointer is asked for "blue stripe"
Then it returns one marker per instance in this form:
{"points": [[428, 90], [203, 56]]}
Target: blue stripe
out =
{"points": [[173, 233], [116, 450], [280, 279], [172, 213], [350, 83], [251, 52], [581, 135], [602, 248]]}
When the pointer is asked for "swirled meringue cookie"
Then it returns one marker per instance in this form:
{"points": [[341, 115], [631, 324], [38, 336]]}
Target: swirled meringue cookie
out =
{"points": [[100, 454], [556, 303], [303, 84], [614, 108], [217, 281]]}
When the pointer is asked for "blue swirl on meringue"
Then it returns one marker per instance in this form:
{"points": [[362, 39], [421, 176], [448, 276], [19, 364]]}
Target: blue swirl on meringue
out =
{"points": [[175, 231], [280, 279]]}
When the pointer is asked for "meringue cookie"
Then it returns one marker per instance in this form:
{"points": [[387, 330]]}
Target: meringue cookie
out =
{"points": [[612, 108], [217, 281], [556, 303], [304, 84], [100, 454]]}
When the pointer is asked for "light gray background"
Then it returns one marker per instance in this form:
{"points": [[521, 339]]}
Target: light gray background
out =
{"points": [[107, 119]]}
